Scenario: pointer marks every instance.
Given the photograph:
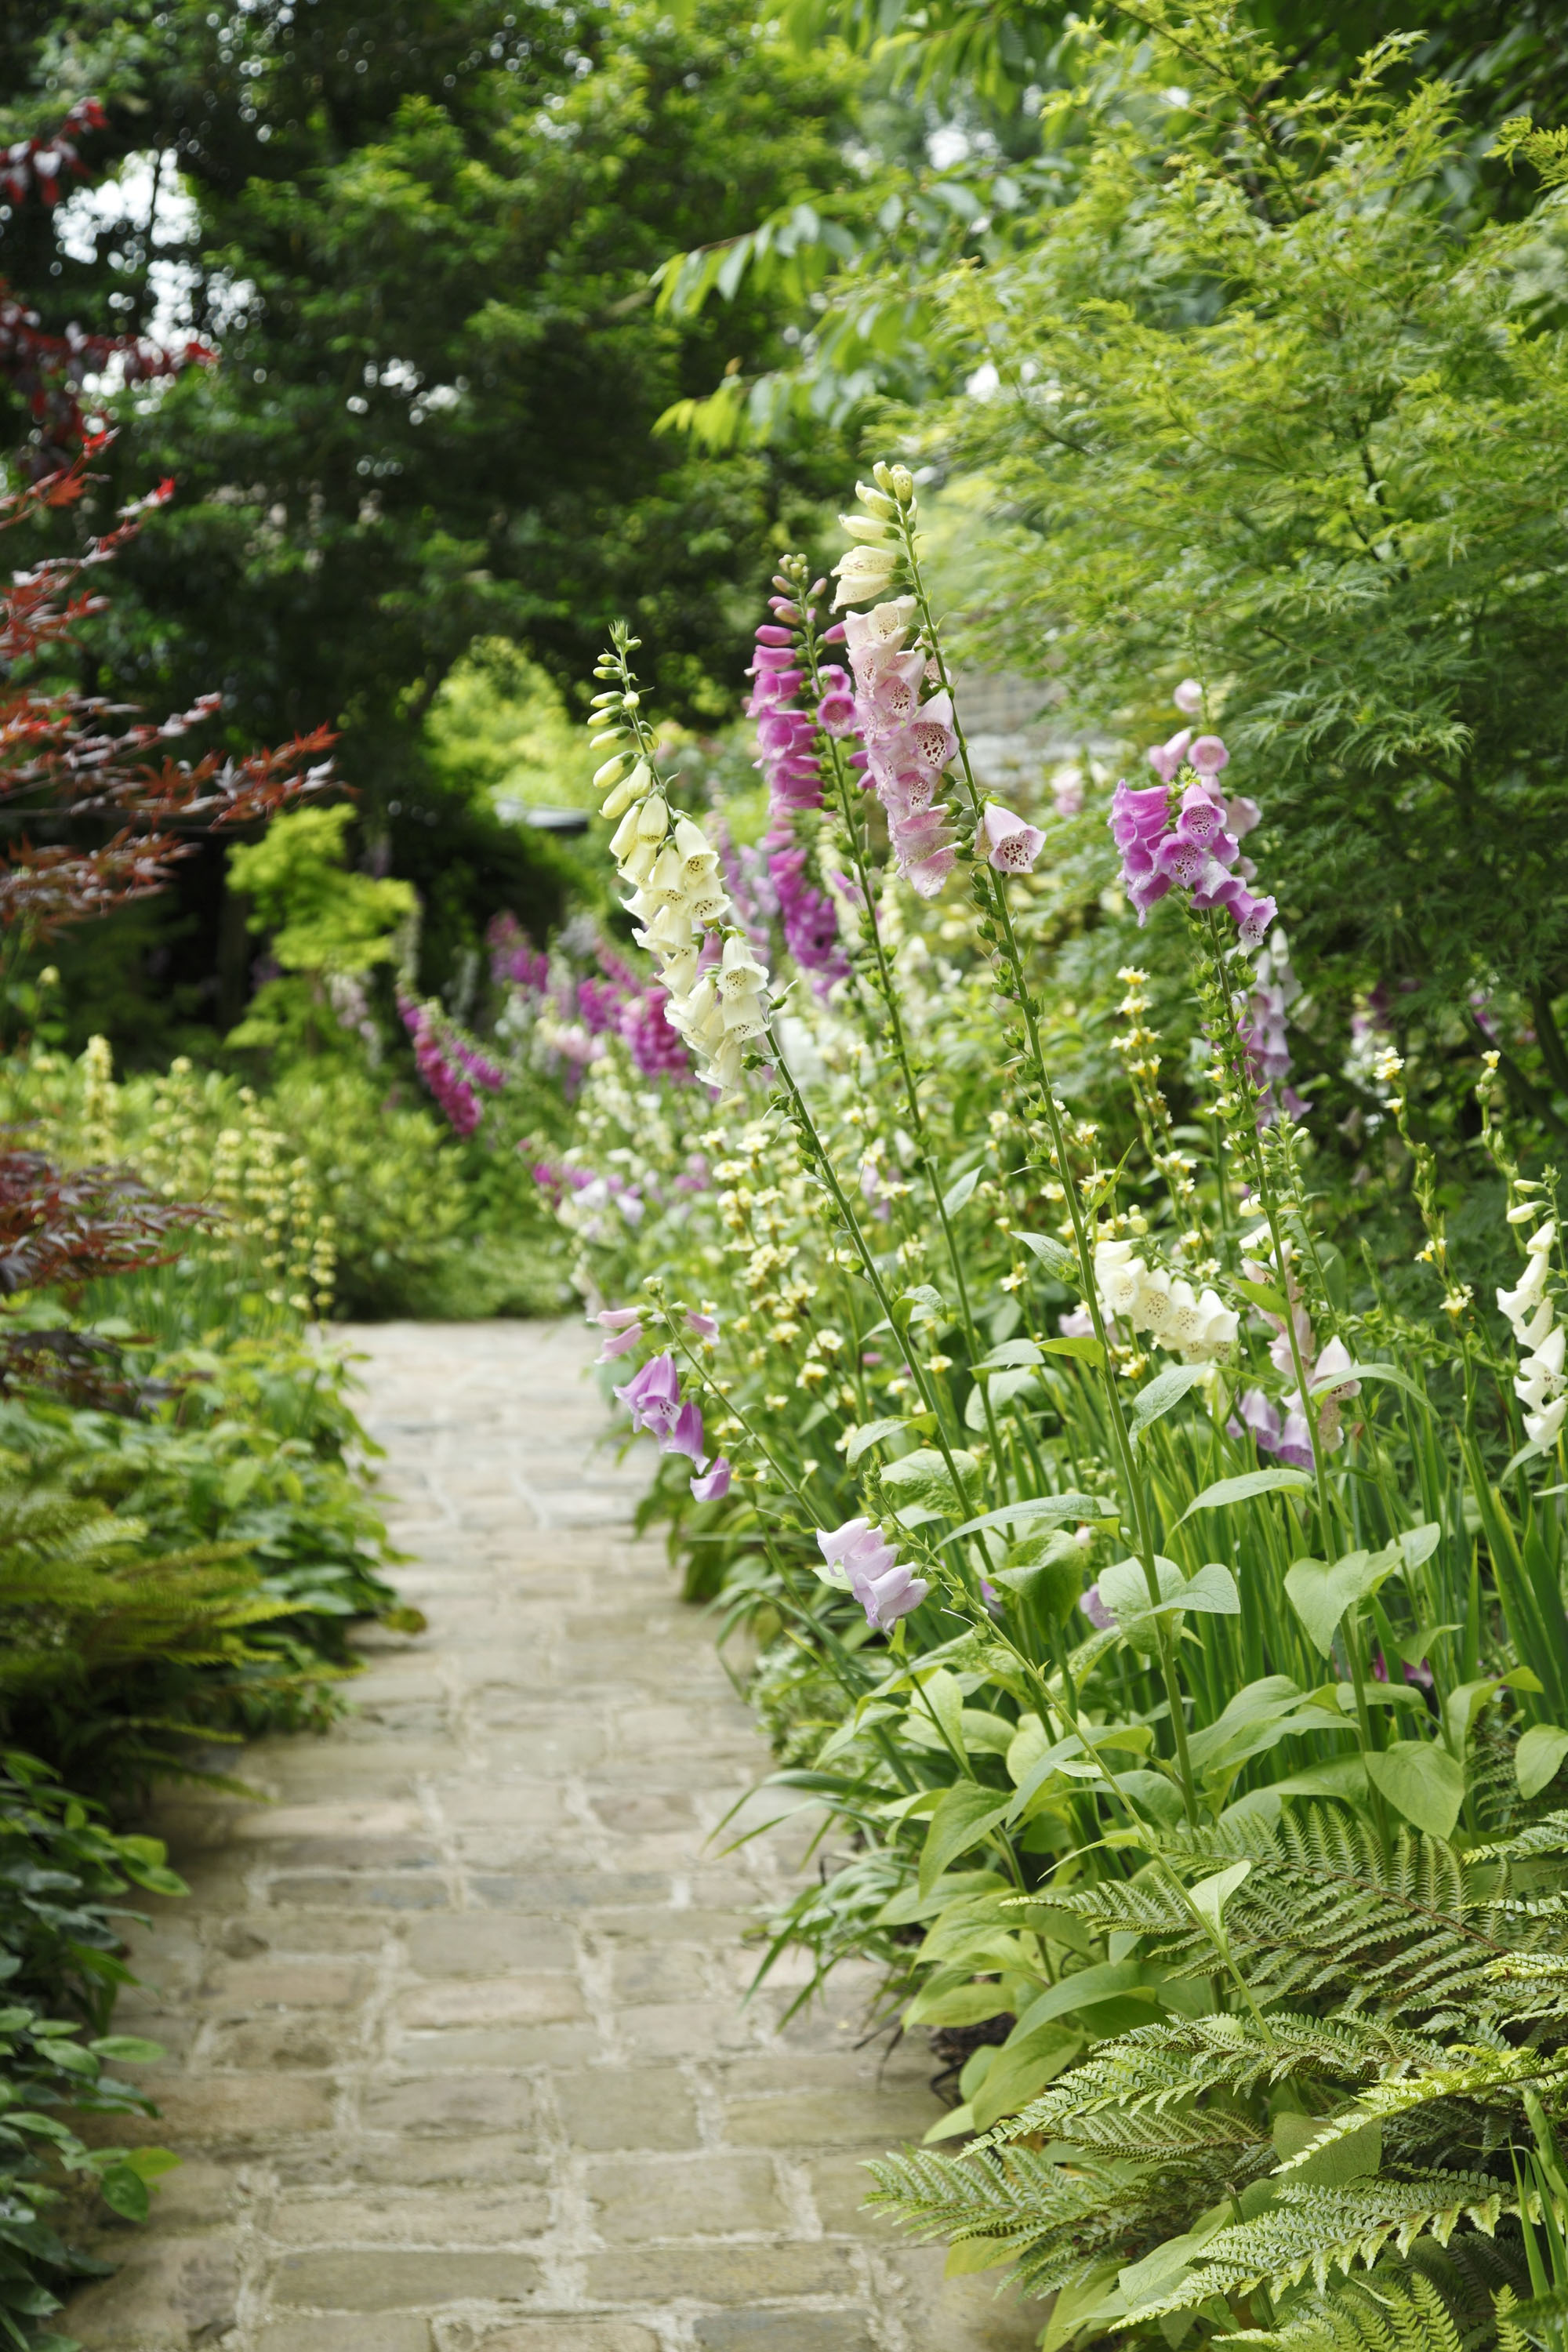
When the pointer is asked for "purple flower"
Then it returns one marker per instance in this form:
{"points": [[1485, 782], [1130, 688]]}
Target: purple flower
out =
{"points": [[885, 1589], [1014, 846], [1165, 759], [1208, 755], [652, 1396], [714, 1485], [1077, 1324], [705, 1326], [1188, 698], [1095, 1610], [619, 1343], [685, 1436]]}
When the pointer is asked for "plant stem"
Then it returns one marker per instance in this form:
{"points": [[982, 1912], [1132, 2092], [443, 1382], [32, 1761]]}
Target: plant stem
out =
{"points": [[994, 897]]}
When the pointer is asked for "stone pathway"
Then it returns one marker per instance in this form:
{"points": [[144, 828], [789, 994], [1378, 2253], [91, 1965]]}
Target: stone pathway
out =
{"points": [[457, 2055]]}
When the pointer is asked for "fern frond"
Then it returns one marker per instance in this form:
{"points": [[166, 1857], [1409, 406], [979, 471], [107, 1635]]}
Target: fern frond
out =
{"points": [[1373, 2314], [1159, 2066], [1329, 1910], [1017, 2194], [1318, 2229]]}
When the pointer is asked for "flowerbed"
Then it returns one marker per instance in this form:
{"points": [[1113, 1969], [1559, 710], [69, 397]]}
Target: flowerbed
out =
{"points": [[1160, 1600]]}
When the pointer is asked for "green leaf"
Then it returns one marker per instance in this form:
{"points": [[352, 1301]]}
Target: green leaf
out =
{"points": [[129, 2049], [953, 1199], [1041, 1506], [1421, 1781], [860, 1441], [965, 1814], [943, 1695], [1081, 1344], [1053, 1257], [1124, 1590], [1320, 1595], [923, 1296], [1083, 1988], [922, 1478], [1165, 1390], [1008, 1355], [1537, 1756], [125, 2192], [1262, 1294], [969, 2004], [1241, 1490], [1210, 1895]]}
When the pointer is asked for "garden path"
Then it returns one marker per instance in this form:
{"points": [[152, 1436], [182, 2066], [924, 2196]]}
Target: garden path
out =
{"points": [[457, 2057]]}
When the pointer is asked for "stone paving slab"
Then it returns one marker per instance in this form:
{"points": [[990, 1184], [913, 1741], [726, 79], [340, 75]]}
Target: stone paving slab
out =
{"points": [[458, 2054]]}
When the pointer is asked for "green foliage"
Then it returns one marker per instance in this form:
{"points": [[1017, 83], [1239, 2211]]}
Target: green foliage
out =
{"points": [[63, 1878], [323, 923]]}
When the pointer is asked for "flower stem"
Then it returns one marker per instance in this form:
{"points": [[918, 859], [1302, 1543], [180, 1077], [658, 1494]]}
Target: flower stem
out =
{"points": [[993, 897]]}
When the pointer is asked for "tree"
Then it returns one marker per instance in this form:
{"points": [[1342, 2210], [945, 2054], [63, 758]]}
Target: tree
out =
{"points": [[421, 239]]}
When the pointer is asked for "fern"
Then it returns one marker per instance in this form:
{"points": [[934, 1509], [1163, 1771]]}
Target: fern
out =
{"points": [[1319, 2229], [1373, 2314], [1331, 1912]]}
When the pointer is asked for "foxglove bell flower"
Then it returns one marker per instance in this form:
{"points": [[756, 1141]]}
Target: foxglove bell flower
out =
{"points": [[857, 1556], [1539, 1384], [1015, 845], [1187, 840], [713, 1485], [652, 1396], [1195, 1325], [685, 1435], [622, 1327]]}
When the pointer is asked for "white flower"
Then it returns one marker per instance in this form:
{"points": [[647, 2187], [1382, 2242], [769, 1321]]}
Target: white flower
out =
{"points": [[744, 1016], [739, 972], [863, 573], [1519, 1305], [1542, 1428]]}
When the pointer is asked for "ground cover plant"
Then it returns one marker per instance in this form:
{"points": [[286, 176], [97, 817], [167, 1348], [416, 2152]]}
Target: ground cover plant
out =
{"points": [[184, 1537], [1164, 1610]]}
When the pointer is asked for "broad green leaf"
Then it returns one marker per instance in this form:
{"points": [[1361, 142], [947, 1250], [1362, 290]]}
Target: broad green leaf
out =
{"points": [[1041, 1506], [1020, 2072], [1081, 1344], [1242, 1489], [928, 1303], [1421, 1781], [1262, 1294], [128, 2049], [874, 1432], [941, 1692], [1210, 1895], [1053, 1257], [1465, 1703], [1108, 1981], [1320, 1595], [953, 1199], [1165, 1390], [1124, 1590], [1258, 1703], [124, 2192], [1005, 1386], [970, 2004], [922, 1478], [964, 1814], [1008, 1355], [1537, 1756]]}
